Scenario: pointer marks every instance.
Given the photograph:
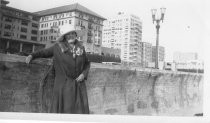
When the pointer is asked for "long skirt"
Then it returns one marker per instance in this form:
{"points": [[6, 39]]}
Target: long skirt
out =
{"points": [[70, 97]]}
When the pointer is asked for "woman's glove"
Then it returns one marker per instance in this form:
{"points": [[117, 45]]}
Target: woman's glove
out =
{"points": [[80, 78], [28, 59]]}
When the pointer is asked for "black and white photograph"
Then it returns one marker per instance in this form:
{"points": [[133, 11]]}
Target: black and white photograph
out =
{"points": [[109, 58]]}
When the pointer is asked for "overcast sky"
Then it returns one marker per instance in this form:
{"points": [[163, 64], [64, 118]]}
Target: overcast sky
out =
{"points": [[182, 29]]}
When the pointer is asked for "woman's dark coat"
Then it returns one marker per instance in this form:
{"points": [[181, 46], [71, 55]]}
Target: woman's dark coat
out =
{"points": [[69, 96]]}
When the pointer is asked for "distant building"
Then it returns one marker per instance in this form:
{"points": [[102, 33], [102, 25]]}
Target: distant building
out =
{"points": [[74, 16], [146, 53], [124, 32], [161, 53], [190, 65], [183, 57], [110, 52], [18, 30]]}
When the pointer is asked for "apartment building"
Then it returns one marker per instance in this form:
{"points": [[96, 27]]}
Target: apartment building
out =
{"points": [[18, 30], [75, 16], [124, 32]]}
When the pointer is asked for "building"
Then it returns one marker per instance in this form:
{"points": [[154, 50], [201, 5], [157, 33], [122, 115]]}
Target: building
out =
{"points": [[75, 16], [161, 54], [146, 53], [183, 57], [124, 32], [18, 30], [110, 52]]}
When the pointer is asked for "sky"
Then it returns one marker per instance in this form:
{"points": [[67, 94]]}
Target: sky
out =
{"points": [[182, 30]]}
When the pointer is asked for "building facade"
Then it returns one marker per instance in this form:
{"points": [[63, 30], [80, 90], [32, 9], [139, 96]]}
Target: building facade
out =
{"points": [[161, 53], [124, 32], [18, 30], [54, 21], [183, 57], [146, 53]]}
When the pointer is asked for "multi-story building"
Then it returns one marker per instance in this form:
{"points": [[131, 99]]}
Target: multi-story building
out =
{"points": [[124, 32], [18, 30], [146, 53], [161, 53], [182, 57], [75, 16]]}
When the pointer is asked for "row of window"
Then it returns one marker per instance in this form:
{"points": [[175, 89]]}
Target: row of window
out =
{"points": [[25, 30], [117, 21], [22, 29], [20, 14], [46, 38], [89, 18], [57, 16], [9, 34], [58, 23], [45, 32], [25, 23]]}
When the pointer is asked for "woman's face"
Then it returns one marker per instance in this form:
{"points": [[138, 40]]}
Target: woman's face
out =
{"points": [[71, 37]]}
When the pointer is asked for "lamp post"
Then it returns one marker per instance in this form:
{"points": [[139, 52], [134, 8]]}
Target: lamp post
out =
{"points": [[157, 20]]}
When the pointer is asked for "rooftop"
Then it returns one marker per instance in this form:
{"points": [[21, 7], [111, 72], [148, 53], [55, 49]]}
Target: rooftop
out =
{"points": [[18, 10], [4, 2], [67, 8]]}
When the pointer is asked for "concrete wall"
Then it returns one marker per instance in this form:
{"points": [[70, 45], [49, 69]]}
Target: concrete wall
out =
{"points": [[111, 89]]}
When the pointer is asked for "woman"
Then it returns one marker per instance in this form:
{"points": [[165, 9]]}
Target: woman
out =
{"points": [[71, 69]]}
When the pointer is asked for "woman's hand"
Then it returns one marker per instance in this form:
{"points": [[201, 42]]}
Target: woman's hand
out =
{"points": [[28, 59], [80, 78]]}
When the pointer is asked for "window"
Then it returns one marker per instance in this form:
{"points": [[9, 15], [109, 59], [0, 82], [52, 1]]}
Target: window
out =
{"points": [[23, 36], [55, 16], [42, 32], [8, 19], [33, 38], [7, 26], [34, 32], [40, 38], [23, 29], [46, 31], [24, 23], [89, 40], [78, 23], [70, 14], [34, 25], [51, 30], [35, 18], [80, 15], [7, 34]]}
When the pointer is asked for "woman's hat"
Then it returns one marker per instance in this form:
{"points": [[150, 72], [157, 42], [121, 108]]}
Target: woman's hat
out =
{"points": [[64, 31]]}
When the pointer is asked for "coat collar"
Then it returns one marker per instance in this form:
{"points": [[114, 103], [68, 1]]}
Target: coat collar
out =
{"points": [[65, 47]]}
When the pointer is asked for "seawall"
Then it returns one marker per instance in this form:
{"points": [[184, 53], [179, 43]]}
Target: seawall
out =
{"points": [[111, 89]]}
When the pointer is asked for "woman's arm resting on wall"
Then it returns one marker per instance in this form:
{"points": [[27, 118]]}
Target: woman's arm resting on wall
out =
{"points": [[86, 66]]}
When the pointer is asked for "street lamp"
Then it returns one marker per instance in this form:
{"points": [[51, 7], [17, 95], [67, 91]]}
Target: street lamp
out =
{"points": [[157, 20]]}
